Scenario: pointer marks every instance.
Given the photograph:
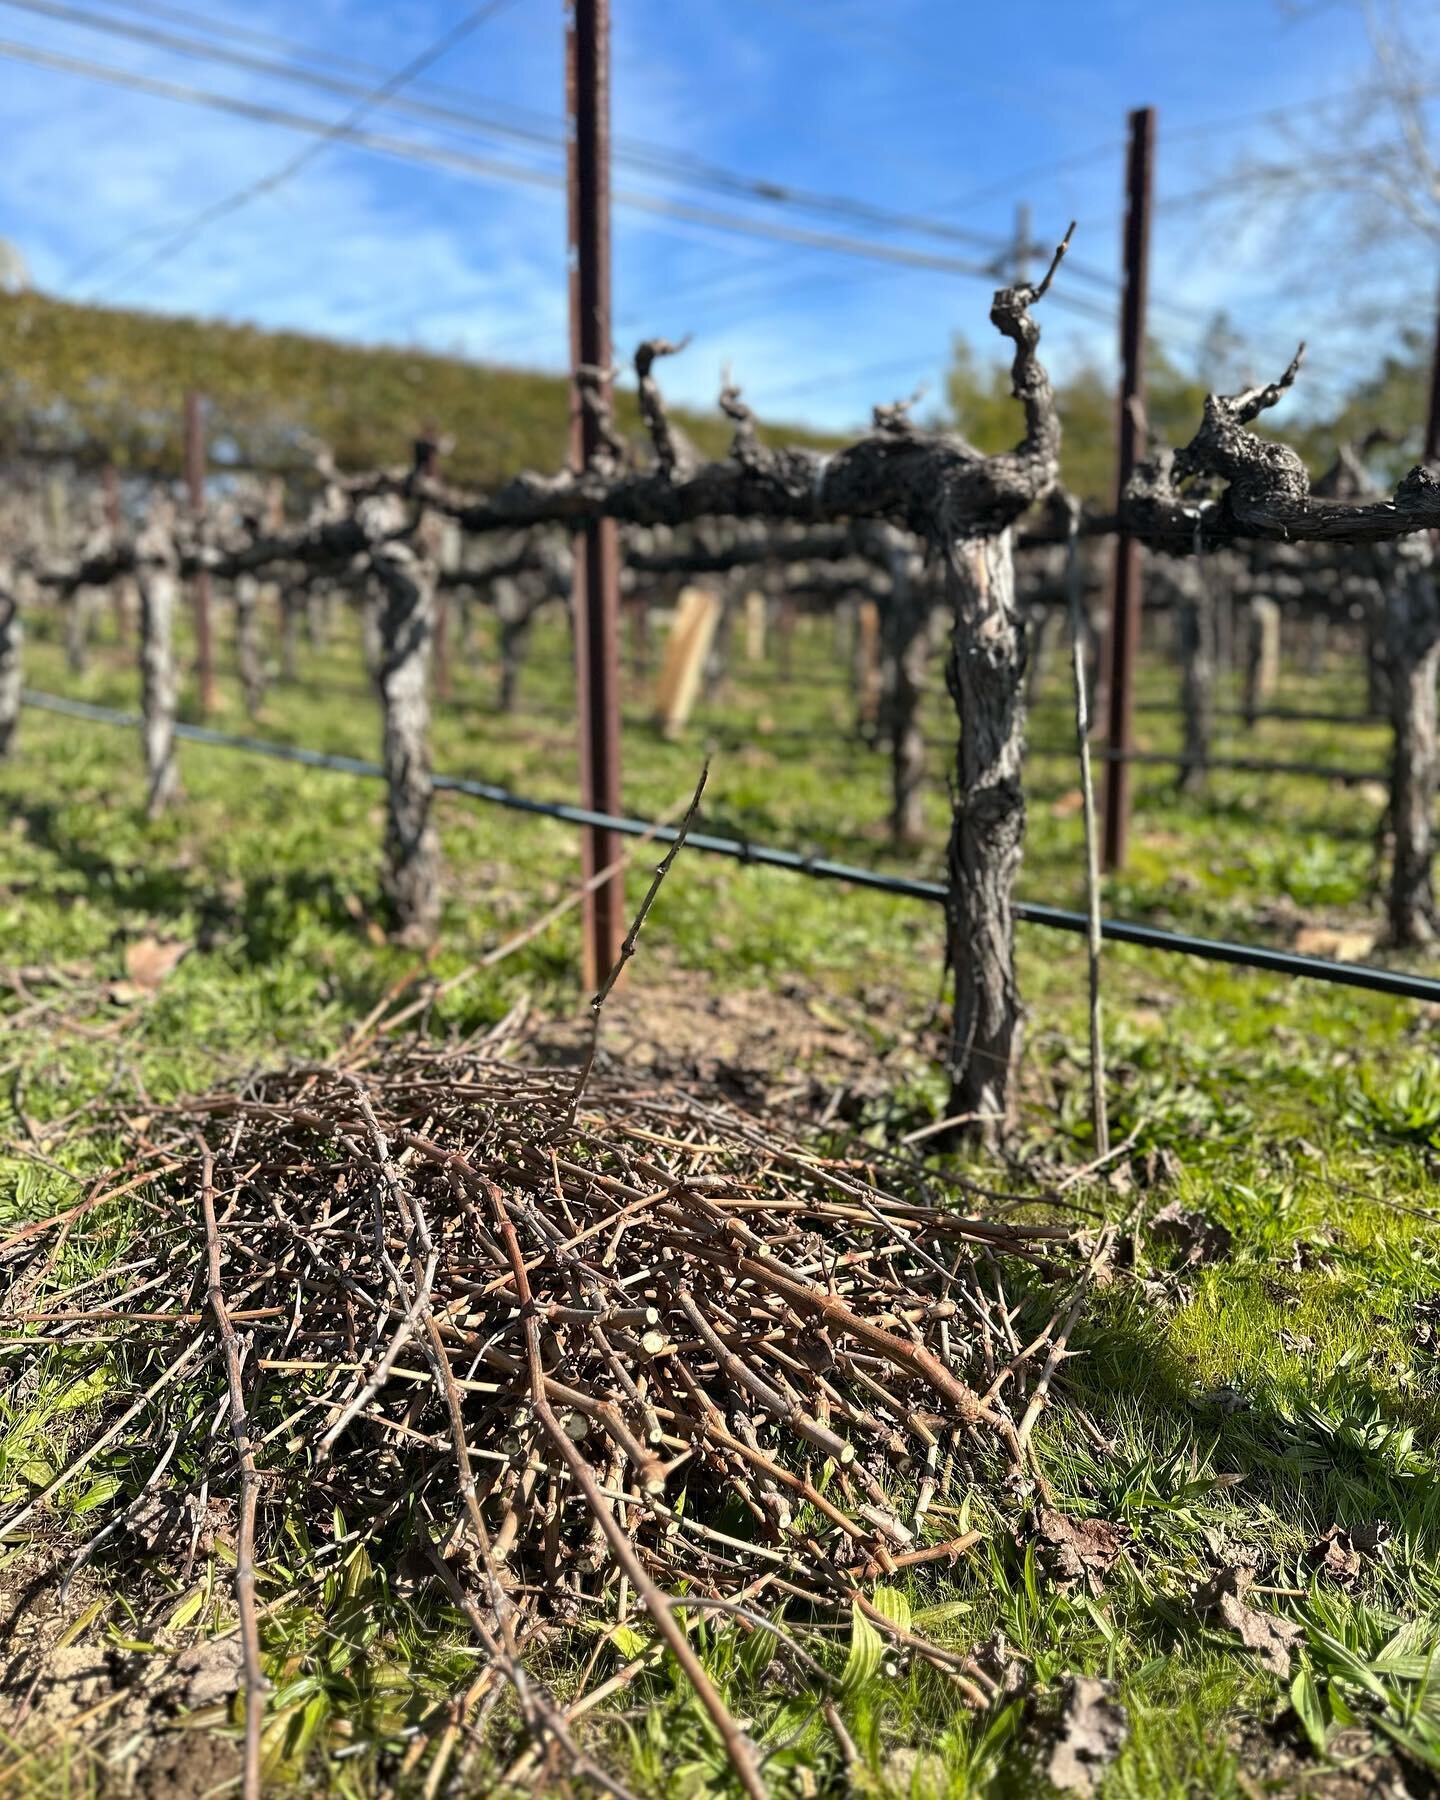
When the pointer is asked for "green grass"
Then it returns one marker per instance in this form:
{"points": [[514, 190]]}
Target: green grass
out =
{"points": [[1243, 1404]]}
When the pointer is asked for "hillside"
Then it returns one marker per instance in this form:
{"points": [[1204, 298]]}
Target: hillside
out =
{"points": [[96, 381]]}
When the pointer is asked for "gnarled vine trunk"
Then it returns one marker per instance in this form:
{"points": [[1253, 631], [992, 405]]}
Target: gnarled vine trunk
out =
{"points": [[158, 580], [1412, 644], [985, 673], [372, 603], [12, 641], [785, 613], [515, 614], [1195, 630], [904, 666], [1317, 642], [79, 612], [248, 657], [292, 602], [1377, 663], [405, 574], [317, 614], [1262, 655], [635, 611]]}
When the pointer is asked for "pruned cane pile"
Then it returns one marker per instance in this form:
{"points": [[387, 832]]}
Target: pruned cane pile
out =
{"points": [[614, 1347]]}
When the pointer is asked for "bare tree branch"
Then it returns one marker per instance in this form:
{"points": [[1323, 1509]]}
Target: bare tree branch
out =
{"points": [[673, 450]]}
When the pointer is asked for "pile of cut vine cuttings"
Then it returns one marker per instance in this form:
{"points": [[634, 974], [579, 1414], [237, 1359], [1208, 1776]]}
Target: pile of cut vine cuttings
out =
{"points": [[603, 1349]]}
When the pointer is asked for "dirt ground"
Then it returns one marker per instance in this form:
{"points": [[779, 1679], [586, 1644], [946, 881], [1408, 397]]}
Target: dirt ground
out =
{"points": [[143, 1723]]}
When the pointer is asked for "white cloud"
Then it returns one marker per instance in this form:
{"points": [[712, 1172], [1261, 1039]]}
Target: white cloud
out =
{"points": [[835, 97]]}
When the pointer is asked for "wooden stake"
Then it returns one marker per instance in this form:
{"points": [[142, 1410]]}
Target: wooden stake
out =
{"points": [[691, 632]]}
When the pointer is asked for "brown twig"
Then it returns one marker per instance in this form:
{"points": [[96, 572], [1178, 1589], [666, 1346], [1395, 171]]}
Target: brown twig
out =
{"points": [[256, 1686], [1099, 1112], [657, 1604], [627, 949]]}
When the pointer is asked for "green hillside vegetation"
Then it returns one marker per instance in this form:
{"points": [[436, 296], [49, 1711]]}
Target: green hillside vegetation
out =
{"points": [[99, 383]]}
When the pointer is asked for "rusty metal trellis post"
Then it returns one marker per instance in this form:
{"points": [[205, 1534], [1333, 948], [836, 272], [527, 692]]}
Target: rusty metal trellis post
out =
{"points": [[1126, 589], [596, 592], [1431, 453], [200, 589]]}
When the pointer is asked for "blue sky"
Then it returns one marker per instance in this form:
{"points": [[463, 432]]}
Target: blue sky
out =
{"points": [[951, 111]]}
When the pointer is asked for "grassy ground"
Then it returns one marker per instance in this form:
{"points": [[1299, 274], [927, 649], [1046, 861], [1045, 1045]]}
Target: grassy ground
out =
{"points": [[1240, 1392]]}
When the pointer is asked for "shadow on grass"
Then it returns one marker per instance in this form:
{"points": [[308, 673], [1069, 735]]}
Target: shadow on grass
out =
{"points": [[261, 913], [1310, 1451]]}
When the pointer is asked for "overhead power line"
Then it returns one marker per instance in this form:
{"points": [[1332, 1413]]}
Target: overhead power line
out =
{"points": [[277, 177], [1290, 963], [547, 133], [652, 160], [470, 165], [490, 168], [541, 134]]}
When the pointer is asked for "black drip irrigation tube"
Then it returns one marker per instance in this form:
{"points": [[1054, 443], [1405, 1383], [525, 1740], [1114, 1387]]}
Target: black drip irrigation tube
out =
{"points": [[821, 868]]}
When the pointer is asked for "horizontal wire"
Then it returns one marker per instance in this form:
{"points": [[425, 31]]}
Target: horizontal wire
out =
{"points": [[1057, 918]]}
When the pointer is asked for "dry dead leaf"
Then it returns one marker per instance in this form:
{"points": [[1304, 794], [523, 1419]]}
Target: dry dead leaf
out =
{"points": [[1197, 1238], [1093, 1730], [1222, 1600], [1071, 1550], [1001, 1663], [170, 1522], [212, 1670], [149, 961], [1067, 804], [1154, 1168], [1313, 1255], [1343, 945], [1341, 1553]]}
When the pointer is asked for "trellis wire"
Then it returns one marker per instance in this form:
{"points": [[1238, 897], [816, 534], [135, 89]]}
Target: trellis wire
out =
{"points": [[1397, 982]]}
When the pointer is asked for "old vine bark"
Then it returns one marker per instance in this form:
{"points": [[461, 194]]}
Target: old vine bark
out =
{"points": [[1412, 638], [12, 639], [904, 665], [515, 613], [1262, 655], [985, 673], [248, 657], [405, 573]]}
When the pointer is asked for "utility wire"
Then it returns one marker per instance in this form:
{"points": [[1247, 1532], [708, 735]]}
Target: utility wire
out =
{"points": [[664, 162], [286, 171], [490, 168], [463, 162], [1125, 931], [656, 161]]}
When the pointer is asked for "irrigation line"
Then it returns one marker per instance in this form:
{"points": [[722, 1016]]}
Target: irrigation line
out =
{"points": [[821, 868], [1243, 765]]}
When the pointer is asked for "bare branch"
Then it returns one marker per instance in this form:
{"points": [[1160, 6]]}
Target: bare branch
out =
{"points": [[1040, 292], [745, 446], [896, 416], [673, 450], [1253, 401], [593, 386], [1268, 492]]}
